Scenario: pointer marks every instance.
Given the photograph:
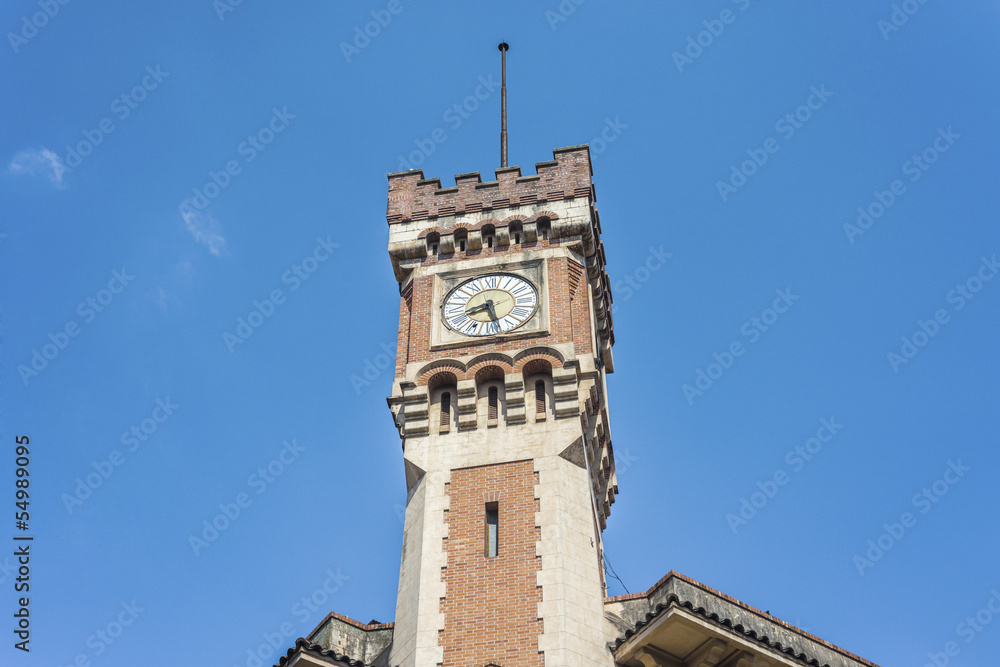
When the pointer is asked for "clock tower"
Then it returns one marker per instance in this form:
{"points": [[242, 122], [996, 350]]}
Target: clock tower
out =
{"points": [[500, 399], [499, 396]]}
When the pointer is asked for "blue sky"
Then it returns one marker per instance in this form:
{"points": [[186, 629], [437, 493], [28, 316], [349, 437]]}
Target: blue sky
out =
{"points": [[170, 169]]}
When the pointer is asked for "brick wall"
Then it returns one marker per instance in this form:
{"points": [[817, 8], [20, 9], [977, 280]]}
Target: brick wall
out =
{"points": [[403, 333], [491, 603]]}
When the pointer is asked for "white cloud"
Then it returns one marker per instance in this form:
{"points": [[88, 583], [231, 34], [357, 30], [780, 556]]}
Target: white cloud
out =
{"points": [[163, 298], [184, 268], [204, 228], [39, 162]]}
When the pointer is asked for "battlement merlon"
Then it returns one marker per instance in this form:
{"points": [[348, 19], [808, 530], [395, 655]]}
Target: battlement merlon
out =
{"points": [[566, 176]]}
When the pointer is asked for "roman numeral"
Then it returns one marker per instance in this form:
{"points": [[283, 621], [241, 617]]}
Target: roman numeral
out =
{"points": [[525, 300], [520, 312]]}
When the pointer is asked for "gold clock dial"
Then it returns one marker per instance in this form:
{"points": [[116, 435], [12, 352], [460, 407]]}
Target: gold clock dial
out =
{"points": [[490, 304]]}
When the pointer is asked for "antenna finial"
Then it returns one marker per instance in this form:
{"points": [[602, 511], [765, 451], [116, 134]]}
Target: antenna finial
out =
{"points": [[503, 104]]}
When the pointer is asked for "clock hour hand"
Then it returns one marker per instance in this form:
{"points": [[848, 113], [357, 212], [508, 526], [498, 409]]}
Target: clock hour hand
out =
{"points": [[487, 304]]}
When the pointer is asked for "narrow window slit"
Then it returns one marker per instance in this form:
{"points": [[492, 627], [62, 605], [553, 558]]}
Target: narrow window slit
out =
{"points": [[492, 529], [445, 409]]}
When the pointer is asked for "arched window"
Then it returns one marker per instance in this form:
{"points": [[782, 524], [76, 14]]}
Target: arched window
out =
{"points": [[433, 240], [538, 377], [461, 239], [493, 404], [443, 390], [445, 410], [544, 227], [491, 395], [516, 232], [489, 235]]}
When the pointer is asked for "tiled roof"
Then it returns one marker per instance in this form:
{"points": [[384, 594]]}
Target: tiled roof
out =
{"points": [[305, 646], [672, 599]]}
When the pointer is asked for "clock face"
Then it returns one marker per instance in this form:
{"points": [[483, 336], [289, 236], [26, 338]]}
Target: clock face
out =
{"points": [[490, 304]]}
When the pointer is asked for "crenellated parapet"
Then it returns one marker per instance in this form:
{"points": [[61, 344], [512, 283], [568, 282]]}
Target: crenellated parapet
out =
{"points": [[413, 197]]}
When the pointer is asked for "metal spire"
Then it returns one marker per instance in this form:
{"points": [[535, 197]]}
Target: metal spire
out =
{"points": [[503, 104]]}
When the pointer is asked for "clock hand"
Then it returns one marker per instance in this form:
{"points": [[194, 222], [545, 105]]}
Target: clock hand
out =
{"points": [[493, 313]]}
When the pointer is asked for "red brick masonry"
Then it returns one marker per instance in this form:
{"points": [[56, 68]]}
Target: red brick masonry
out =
{"points": [[491, 604]]}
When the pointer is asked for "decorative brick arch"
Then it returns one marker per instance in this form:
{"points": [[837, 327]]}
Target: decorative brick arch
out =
{"points": [[439, 373], [488, 221], [536, 359], [552, 217], [491, 366], [441, 379], [512, 218], [504, 363], [432, 230]]}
